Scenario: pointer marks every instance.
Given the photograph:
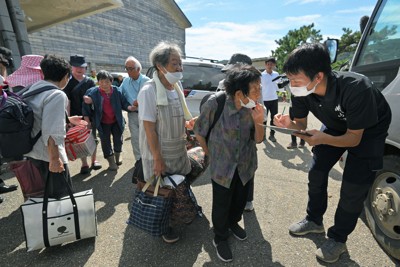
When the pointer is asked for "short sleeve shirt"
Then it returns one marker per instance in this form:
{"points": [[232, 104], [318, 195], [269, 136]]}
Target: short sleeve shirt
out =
{"points": [[351, 102]]}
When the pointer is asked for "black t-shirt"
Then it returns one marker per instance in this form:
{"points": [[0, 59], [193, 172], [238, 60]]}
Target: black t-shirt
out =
{"points": [[351, 102], [75, 95]]}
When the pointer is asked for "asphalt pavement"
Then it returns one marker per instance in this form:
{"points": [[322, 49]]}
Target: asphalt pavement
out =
{"points": [[280, 199]]}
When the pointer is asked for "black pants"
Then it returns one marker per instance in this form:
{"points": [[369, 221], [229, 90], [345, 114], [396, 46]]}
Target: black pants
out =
{"points": [[250, 194], [105, 138], [228, 205], [294, 138], [57, 187], [272, 108], [362, 163]]}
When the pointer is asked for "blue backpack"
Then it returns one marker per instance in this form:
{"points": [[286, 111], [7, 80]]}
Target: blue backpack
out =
{"points": [[16, 122]]}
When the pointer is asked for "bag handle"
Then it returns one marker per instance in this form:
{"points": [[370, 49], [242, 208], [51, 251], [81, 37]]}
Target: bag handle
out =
{"points": [[172, 181], [3, 99], [45, 205], [149, 182]]}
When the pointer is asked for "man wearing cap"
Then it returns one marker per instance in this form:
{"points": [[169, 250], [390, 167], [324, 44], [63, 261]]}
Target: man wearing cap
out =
{"points": [[130, 88], [5, 61], [235, 59], [76, 88], [28, 73], [269, 94]]}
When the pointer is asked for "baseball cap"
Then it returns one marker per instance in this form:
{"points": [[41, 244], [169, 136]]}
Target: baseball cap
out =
{"points": [[235, 59], [78, 61]]}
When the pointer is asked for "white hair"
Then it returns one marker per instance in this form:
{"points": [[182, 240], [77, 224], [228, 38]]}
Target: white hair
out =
{"points": [[137, 63]]}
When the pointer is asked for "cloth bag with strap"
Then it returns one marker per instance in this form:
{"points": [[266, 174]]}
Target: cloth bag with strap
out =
{"points": [[151, 207], [184, 205], [49, 222], [79, 142]]}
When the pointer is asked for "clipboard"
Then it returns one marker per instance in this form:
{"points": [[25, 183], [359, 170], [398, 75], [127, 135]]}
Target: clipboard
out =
{"points": [[287, 130]]}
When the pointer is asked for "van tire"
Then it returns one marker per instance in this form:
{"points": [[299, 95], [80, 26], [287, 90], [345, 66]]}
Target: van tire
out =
{"points": [[387, 182]]}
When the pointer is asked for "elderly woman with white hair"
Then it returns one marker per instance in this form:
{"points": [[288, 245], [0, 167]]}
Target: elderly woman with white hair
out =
{"points": [[162, 114]]}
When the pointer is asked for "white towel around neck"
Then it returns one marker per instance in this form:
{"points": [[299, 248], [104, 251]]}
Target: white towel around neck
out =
{"points": [[162, 99]]}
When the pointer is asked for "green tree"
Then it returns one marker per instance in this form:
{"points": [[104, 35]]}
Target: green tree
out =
{"points": [[347, 46], [293, 39]]}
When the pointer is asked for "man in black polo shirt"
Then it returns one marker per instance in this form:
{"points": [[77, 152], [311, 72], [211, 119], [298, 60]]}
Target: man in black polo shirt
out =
{"points": [[356, 118], [76, 88]]}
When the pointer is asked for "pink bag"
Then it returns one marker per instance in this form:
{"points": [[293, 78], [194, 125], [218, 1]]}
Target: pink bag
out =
{"points": [[29, 178]]}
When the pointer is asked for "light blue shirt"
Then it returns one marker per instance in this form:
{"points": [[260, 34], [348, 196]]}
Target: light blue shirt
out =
{"points": [[130, 87]]}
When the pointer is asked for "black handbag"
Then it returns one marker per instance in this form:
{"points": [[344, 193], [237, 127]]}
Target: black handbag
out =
{"points": [[138, 172]]}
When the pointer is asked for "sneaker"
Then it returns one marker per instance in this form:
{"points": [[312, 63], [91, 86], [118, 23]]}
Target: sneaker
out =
{"points": [[223, 250], [305, 227], [302, 144], [249, 206], [330, 251], [272, 138], [238, 232], [291, 146], [85, 170], [170, 237], [96, 165]]}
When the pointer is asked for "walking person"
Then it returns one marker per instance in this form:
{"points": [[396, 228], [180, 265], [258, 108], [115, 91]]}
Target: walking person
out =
{"points": [[269, 95], [49, 108], [76, 88], [356, 118], [130, 88], [104, 104], [231, 148]]}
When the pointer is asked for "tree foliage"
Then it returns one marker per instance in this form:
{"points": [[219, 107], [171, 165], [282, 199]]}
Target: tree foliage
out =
{"points": [[293, 39]]}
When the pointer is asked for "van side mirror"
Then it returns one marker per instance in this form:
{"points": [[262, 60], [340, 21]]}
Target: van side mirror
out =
{"points": [[332, 47]]}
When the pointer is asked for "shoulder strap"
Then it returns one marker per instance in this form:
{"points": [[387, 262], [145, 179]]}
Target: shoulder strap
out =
{"points": [[3, 98], [38, 91], [80, 83], [21, 92], [221, 97], [29, 94]]}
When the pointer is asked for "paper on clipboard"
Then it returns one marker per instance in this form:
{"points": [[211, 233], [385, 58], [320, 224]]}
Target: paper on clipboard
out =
{"points": [[287, 130]]}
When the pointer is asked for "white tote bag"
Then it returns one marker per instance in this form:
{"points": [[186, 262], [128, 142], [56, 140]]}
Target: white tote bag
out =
{"points": [[48, 222]]}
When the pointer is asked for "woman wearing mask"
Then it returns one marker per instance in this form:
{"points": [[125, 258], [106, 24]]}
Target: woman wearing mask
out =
{"points": [[231, 148], [162, 117]]}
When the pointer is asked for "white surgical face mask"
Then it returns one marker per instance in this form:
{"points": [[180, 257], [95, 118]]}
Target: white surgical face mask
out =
{"points": [[173, 78], [302, 90], [250, 104]]}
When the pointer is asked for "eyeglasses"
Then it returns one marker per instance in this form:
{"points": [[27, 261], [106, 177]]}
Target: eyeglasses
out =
{"points": [[130, 68]]}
